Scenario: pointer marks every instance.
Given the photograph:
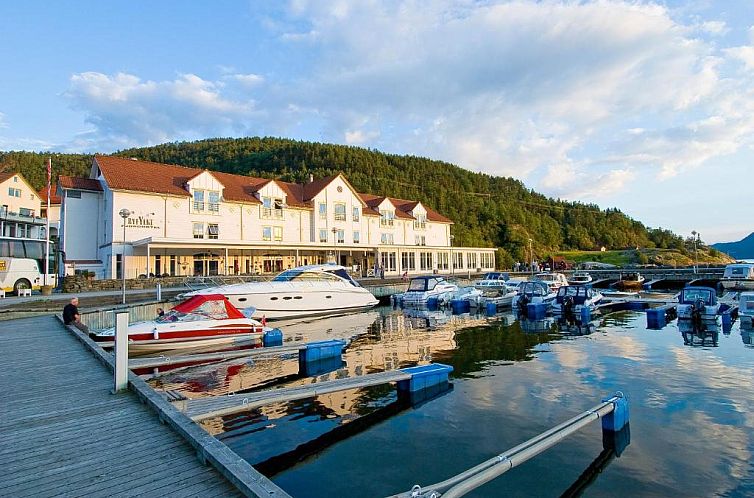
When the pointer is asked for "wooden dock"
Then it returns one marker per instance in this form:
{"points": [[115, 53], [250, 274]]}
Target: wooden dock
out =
{"points": [[63, 433]]}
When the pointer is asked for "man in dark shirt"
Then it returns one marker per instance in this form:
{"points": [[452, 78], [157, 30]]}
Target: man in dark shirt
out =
{"points": [[71, 315]]}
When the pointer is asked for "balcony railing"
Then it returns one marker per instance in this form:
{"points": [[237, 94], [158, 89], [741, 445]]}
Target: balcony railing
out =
{"points": [[198, 206], [420, 225], [340, 216], [214, 207], [386, 222]]}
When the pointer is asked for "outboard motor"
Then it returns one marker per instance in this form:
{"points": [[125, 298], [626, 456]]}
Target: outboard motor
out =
{"points": [[523, 304], [697, 309], [568, 305]]}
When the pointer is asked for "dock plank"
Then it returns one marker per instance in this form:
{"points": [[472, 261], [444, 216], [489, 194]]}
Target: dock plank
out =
{"points": [[65, 426]]}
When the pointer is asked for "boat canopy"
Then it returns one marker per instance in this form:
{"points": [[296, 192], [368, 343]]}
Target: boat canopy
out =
{"points": [[579, 293], [333, 273], [746, 303], [533, 288], [212, 306], [739, 270], [692, 295], [423, 284], [496, 275]]}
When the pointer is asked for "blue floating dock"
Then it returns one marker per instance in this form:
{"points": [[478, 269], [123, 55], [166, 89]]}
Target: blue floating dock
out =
{"points": [[433, 304], [459, 306], [424, 377], [618, 418], [320, 350]]}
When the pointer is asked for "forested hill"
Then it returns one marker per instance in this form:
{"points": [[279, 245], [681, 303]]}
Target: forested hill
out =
{"points": [[487, 210]]}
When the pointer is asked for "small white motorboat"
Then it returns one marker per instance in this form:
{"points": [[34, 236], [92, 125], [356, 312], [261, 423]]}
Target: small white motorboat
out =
{"points": [[534, 292], [203, 317], [580, 277], [698, 303], [493, 281], [421, 289], [738, 276], [554, 280], [572, 298], [746, 309]]}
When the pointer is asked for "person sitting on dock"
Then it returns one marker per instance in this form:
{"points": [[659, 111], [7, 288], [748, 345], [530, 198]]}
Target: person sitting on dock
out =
{"points": [[71, 315]]}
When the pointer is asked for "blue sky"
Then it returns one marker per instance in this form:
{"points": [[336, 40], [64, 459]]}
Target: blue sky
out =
{"points": [[643, 106]]}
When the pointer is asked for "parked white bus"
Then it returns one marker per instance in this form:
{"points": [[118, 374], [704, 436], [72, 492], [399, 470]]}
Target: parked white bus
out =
{"points": [[22, 264]]}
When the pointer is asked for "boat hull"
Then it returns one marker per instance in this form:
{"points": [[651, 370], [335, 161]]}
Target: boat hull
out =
{"points": [[737, 284]]}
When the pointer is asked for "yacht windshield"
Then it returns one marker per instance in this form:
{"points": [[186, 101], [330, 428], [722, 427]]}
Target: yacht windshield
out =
{"points": [[299, 275], [418, 284], [693, 295]]}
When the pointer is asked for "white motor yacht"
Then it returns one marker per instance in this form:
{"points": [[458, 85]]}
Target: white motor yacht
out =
{"points": [[572, 298], [302, 291], [533, 292], [746, 309], [494, 281]]}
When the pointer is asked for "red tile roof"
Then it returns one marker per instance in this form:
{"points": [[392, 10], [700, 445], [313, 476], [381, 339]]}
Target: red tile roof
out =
{"points": [[54, 199], [76, 183], [145, 176], [4, 175]]}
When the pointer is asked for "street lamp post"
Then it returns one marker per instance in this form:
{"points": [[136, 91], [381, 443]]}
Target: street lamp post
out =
{"points": [[695, 235], [335, 243], [124, 213]]}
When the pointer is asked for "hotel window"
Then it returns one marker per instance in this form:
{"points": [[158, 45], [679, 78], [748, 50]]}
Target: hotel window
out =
{"points": [[442, 261], [277, 208], [386, 217], [213, 230], [323, 236], [356, 214], [277, 233], [15, 179], [266, 233], [420, 222], [198, 230], [14, 192], [420, 240], [388, 261], [340, 212], [214, 201], [425, 260], [266, 207], [323, 210], [458, 260], [26, 212], [341, 236], [386, 238], [356, 237], [198, 200], [408, 261], [471, 260]]}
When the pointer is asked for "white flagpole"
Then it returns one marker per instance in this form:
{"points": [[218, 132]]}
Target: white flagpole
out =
{"points": [[47, 232]]}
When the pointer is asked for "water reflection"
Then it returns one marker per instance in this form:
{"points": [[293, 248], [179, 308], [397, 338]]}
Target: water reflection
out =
{"points": [[690, 408], [699, 334]]}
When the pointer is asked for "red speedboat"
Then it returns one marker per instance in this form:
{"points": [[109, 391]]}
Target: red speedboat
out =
{"points": [[207, 316]]}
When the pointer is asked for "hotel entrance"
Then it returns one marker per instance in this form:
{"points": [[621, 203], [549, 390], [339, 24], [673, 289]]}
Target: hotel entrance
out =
{"points": [[206, 264]]}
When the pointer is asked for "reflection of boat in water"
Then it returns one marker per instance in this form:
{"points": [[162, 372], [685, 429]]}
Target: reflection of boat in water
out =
{"points": [[420, 289], [698, 303], [327, 327], [575, 327], [572, 298], [747, 336], [210, 318], [630, 281], [423, 318], [302, 291], [699, 333], [537, 326]]}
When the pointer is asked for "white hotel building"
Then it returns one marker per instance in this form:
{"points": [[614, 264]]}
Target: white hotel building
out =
{"points": [[190, 221]]}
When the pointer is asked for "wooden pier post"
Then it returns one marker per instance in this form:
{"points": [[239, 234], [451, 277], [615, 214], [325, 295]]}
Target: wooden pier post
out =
{"points": [[121, 352]]}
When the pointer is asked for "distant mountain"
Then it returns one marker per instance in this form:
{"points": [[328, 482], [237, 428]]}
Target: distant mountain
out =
{"points": [[743, 249]]}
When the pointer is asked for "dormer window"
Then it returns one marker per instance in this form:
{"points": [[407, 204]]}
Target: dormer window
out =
{"points": [[214, 201], [199, 200], [421, 222], [386, 217], [272, 207]]}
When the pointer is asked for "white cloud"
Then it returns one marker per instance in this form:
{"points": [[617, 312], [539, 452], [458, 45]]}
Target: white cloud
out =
{"points": [[125, 110], [518, 88]]}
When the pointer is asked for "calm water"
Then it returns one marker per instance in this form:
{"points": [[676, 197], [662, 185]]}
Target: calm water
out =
{"points": [[692, 408]]}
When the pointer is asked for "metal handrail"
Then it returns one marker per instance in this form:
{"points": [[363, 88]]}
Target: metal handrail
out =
{"points": [[484, 472]]}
